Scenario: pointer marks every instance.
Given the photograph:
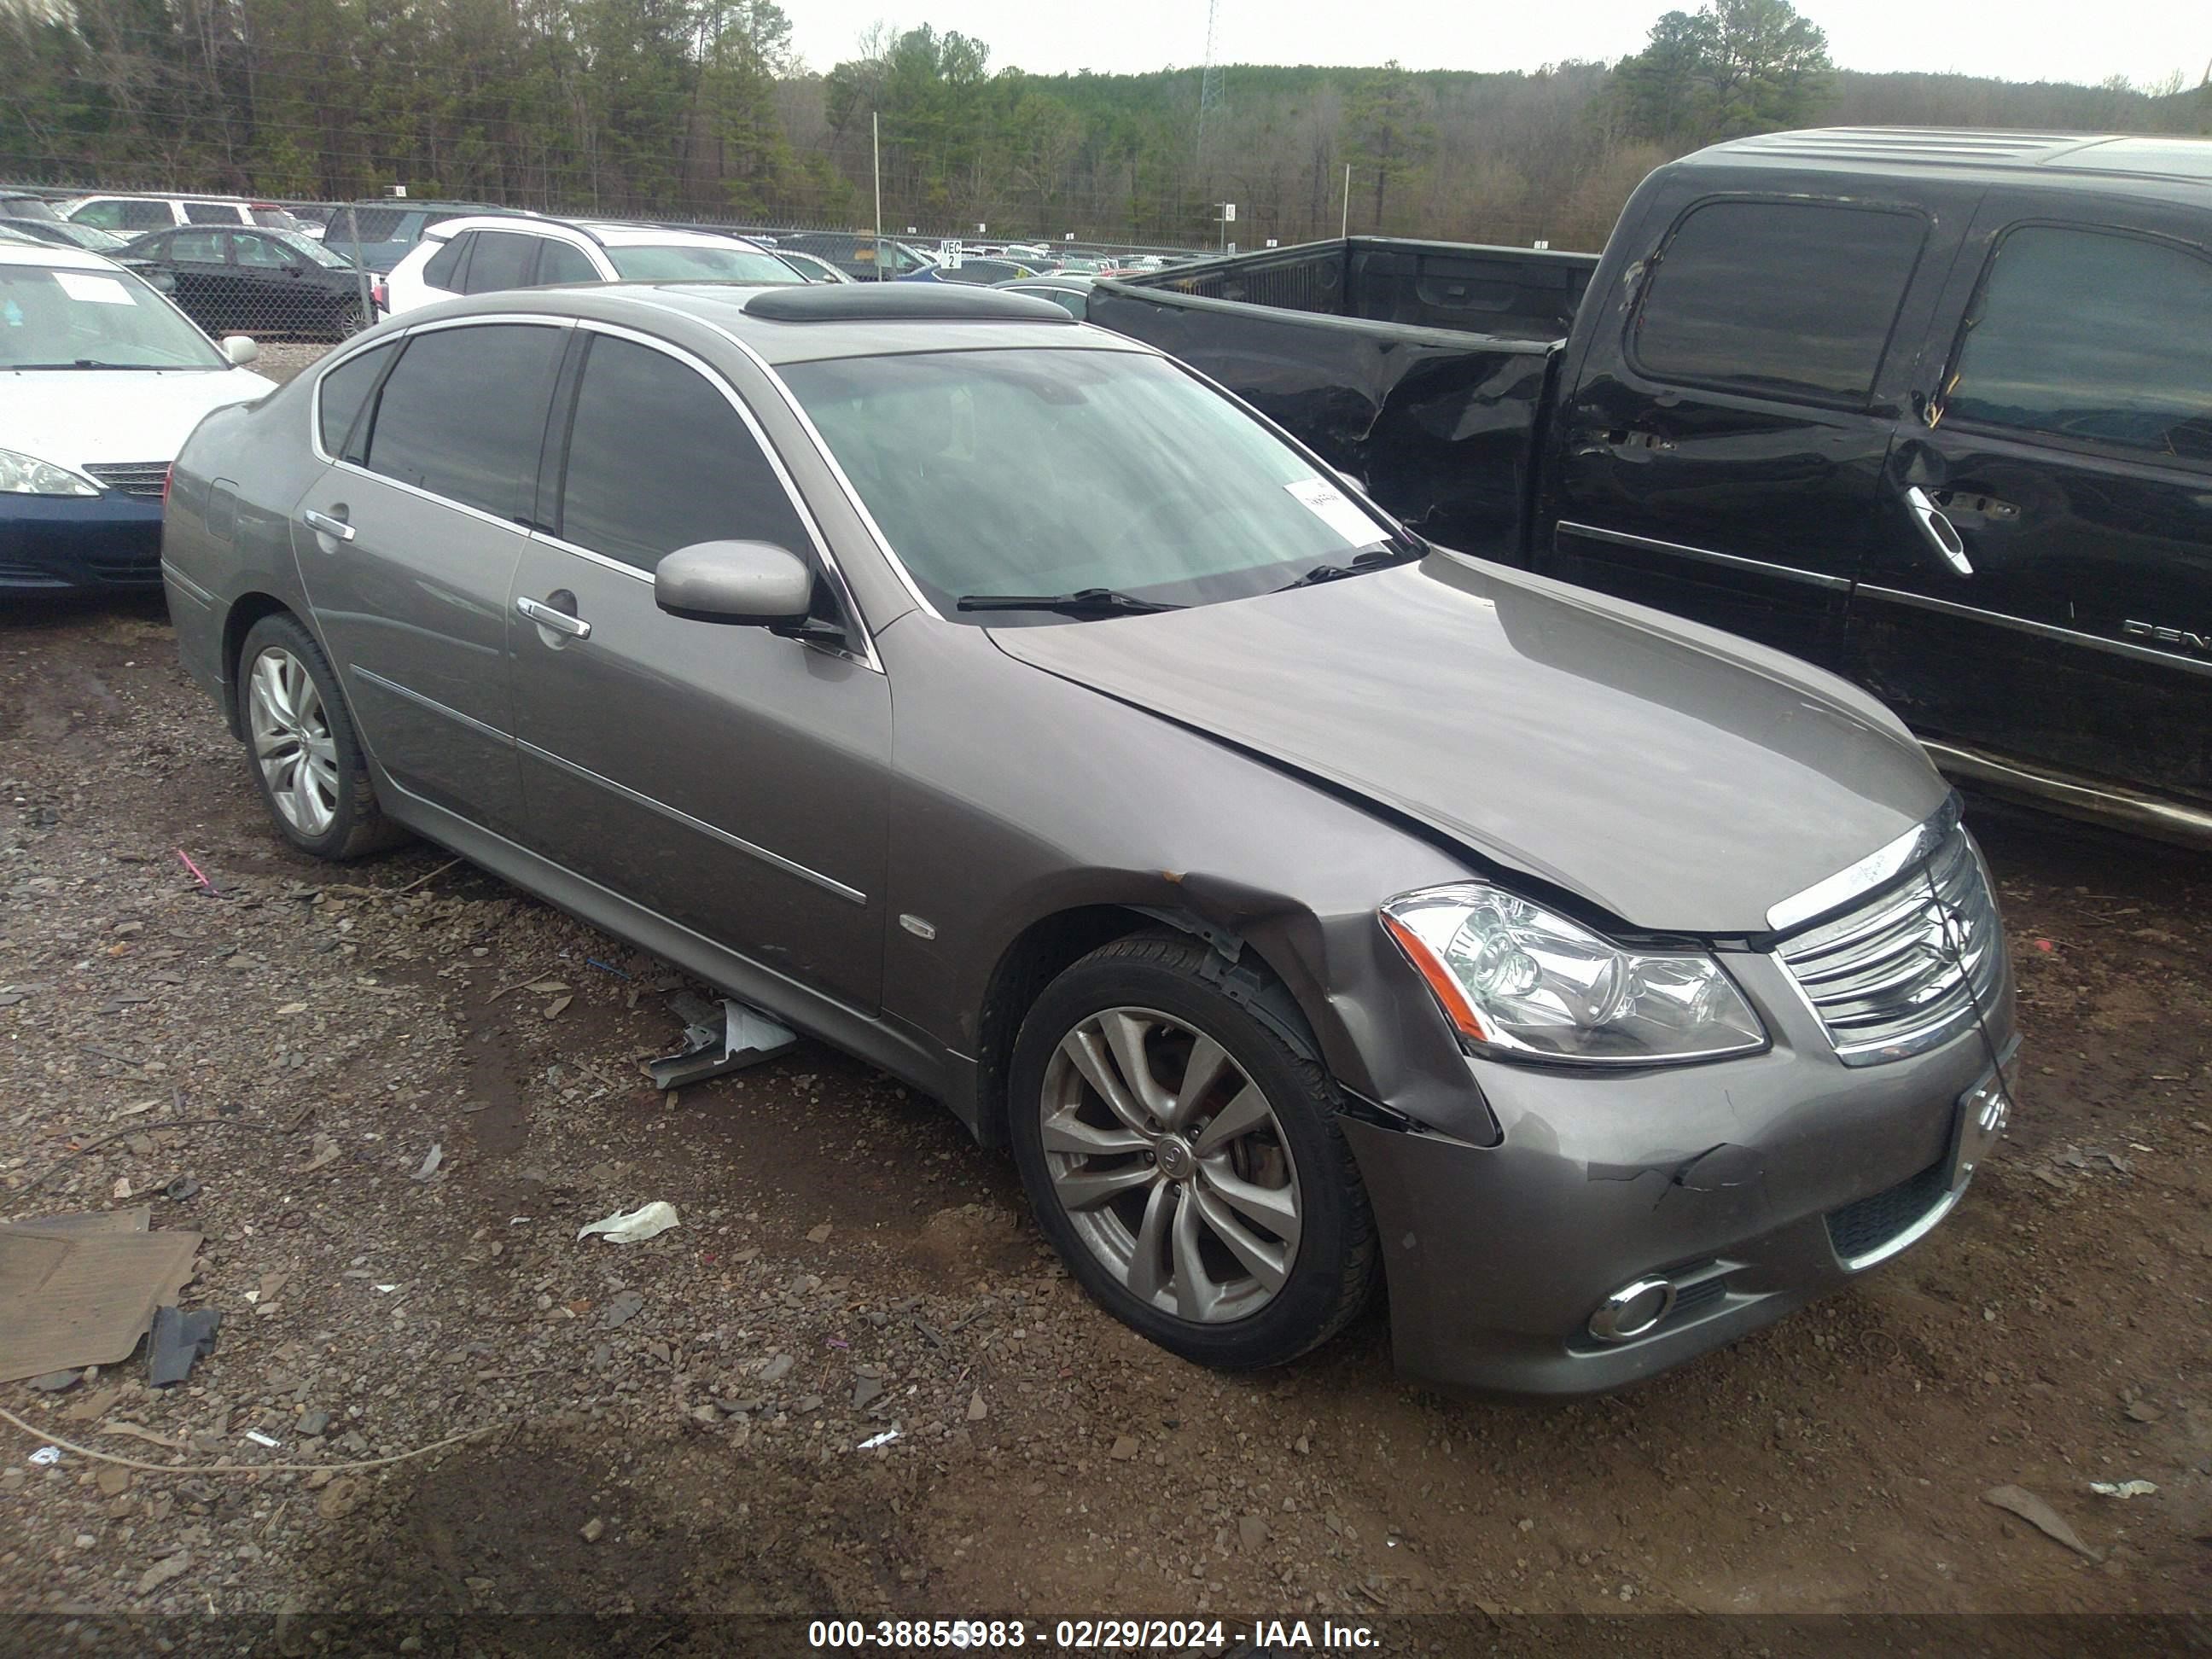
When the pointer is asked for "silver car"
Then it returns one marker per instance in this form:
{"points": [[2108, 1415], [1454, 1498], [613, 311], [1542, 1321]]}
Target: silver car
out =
{"points": [[994, 698]]}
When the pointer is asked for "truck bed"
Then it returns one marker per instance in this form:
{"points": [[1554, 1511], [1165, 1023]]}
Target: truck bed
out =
{"points": [[1417, 368]]}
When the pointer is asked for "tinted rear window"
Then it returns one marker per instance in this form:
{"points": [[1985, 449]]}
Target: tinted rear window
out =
{"points": [[463, 414], [500, 260], [342, 393], [1777, 299], [378, 224]]}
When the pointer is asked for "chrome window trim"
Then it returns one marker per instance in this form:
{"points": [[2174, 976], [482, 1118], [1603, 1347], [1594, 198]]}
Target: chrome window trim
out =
{"points": [[866, 655], [337, 361], [1683, 549], [1875, 870], [829, 884], [360, 472], [2039, 629], [505, 739]]}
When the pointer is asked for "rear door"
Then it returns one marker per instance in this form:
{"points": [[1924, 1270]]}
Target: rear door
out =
{"points": [[410, 553], [731, 778], [1720, 458], [2041, 590]]}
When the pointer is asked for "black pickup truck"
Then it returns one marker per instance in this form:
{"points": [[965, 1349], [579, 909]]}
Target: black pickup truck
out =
{"points": [[1931, 409]]}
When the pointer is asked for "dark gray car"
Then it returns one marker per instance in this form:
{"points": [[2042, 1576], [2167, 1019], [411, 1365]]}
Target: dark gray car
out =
{"points": [[992, 698]]}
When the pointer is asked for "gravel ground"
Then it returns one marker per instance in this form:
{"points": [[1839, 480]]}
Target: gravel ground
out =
{"points": [[677, 1426]]}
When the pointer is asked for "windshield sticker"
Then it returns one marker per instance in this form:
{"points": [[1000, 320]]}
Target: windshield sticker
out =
{"points": [[93, 289], [1335, 510]]}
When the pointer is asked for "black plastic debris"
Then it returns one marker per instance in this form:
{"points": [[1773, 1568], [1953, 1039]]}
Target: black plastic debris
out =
{"points": [[179, 1341]]}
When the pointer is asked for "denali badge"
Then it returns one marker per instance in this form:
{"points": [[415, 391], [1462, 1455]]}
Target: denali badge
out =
{"points": [[2201, 643]]}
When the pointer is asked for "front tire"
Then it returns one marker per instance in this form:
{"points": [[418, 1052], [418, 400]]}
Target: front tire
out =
{"points": [[1185, 1160], [300, 746]]}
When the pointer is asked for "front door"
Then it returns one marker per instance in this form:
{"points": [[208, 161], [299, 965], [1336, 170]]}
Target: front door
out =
{"points": [[199, 260], [2042, 594], [1720, 460], [408, 543], [731, 778]]}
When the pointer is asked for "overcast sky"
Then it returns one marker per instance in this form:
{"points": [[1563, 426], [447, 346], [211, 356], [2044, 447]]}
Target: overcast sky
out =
{"points": [[2015, 39]]}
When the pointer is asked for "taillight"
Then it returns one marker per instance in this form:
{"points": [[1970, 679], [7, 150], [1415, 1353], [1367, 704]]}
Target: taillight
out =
{"points": [[379, 293]]}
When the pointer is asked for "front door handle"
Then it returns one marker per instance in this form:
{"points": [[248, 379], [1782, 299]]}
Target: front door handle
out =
{"points": [[560, 622], [336, 529], [1938, 531]]}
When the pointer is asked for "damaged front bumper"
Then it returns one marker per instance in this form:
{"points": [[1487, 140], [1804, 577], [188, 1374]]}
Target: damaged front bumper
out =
{"points": [[1749, 1187]]}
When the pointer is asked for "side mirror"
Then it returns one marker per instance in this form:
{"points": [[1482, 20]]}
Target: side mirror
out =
{"points": [[240, 349], [754, 583]]}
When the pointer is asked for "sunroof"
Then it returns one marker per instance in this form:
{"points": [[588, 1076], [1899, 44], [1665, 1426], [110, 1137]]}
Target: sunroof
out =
{"points": [[884, 302]]}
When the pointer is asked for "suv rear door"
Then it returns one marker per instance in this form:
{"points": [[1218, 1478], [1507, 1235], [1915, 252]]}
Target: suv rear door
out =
{"points": [[1719, 456], [2051, 602]]}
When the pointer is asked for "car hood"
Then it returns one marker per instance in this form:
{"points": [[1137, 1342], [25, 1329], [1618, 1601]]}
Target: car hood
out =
{"points": [[1677, 778], [81, 417]]}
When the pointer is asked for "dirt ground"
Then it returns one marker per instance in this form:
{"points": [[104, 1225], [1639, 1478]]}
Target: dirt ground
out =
{"points": [[678, 1423]]}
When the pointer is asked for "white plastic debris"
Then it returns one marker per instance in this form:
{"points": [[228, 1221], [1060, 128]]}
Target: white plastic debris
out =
{"points": [[634, 1226], [2123, 1488], [431, 1160], [258, 1438], [46, 1456], [876, 1440]]}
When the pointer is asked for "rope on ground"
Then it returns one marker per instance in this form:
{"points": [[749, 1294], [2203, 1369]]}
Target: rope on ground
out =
{"points": [[36, 1433]]}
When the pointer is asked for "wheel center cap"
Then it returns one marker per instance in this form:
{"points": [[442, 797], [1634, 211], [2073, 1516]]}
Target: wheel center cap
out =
{"points": [[1176, 1160]]}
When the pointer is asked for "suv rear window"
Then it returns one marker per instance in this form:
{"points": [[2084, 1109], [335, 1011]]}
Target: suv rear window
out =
{"points": [[1776, 299], [213, 213], [378, 224]]}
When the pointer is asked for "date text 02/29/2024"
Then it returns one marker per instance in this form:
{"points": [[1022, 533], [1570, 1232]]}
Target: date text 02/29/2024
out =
{"points": [[1088, 1635]]}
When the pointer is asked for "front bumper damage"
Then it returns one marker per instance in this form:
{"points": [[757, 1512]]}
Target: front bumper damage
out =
{"points": [[1749, 1184]]}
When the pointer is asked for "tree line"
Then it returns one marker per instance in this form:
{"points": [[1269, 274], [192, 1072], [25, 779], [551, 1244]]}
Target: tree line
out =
{"points": [[700, 109]]}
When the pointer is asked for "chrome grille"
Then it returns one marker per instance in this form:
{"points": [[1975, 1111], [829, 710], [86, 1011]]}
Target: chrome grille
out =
{"points": [[131, 477], [1884, 977]]}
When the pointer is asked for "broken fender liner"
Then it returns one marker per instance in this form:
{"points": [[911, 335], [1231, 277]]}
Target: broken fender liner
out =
{"points": [[719, 1040]]}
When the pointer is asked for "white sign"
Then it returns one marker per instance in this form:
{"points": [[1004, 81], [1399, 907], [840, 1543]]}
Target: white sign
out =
{"points": [[1068, 236], [1229, 213], [95, 290], [1335, 510], [948, 253]]}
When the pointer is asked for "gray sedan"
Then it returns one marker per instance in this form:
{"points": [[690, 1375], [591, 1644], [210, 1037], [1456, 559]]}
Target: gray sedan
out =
{"points": [[1305, 905]]}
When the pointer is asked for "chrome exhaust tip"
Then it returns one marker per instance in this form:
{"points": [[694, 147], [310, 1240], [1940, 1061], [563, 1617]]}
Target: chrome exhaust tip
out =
{"points": [[1633, 1311]]}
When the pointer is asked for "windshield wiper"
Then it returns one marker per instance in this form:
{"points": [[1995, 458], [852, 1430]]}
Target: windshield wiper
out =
{"points": [[81, 362], [1374, 558], [1083, 602]]}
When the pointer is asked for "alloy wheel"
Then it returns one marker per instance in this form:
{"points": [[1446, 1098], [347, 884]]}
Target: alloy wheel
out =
{"points": [[1171, 1164], [292, 741]]}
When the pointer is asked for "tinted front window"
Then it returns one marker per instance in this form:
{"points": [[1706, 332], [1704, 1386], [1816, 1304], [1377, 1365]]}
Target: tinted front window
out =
{"points": [[2082, 334], [501, 260], [693, 263], [342, 393], [264, 253], [196, 247], [559, 262], [1784, 299], [658, 459], [1046, 471], [463, 414]]}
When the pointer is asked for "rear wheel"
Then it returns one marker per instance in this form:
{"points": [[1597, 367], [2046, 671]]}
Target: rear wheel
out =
{"points": [[306, 760], [1185, 1160]]}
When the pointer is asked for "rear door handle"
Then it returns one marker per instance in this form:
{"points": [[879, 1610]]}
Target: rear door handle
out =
{"points": [[559, 621], [337, 529], [1938, 531]]}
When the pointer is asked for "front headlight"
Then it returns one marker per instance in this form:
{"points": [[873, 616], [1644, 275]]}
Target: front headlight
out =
{"points": [[27, 475], [1524, 982]]}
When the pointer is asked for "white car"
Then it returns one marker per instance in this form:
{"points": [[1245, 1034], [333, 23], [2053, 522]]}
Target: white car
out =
{"points": [[478, 255], [134, 215], [101, 380]]}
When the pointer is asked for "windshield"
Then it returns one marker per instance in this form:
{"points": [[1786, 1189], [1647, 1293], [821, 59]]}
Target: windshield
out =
{"points": [[310, 250], [696, 262], [1050, 471], [57, 318]]}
